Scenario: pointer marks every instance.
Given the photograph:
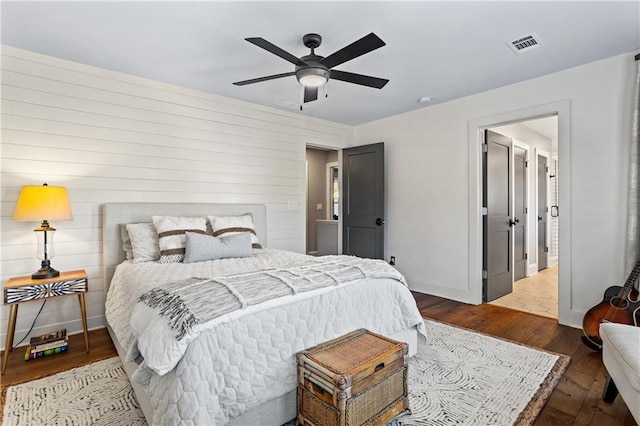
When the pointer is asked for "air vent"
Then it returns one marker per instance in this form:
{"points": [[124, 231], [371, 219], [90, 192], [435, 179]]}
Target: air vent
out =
{"points": [[525, 43]]}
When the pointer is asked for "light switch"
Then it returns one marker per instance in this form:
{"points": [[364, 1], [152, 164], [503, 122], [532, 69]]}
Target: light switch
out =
{"points": [[319, 206]]}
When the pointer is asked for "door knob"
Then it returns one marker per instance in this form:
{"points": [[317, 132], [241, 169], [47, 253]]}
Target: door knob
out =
{"points": [[379, 221], [514, 221]]}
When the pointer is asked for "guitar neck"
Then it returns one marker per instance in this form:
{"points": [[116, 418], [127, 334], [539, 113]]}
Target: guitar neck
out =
{"points": [[629, 284]]}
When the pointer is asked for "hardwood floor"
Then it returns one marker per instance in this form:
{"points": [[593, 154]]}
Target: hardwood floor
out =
{"points": [[575, 401], [20, 371]]}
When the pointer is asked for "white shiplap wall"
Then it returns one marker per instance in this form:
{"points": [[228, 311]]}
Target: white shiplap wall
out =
{"points": [[112, 137]]}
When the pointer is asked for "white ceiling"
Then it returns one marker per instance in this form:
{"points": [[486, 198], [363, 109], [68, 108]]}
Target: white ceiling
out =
{"points": [[547, 127], [444, 50]]}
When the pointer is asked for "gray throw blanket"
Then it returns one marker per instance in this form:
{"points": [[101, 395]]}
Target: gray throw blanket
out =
{"points": [[185, 303]]}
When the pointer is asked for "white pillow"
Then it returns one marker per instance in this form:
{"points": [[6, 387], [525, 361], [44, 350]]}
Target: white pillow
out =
{"points": [[206, 247], [171, 236], [126, 241], [144, 242], [224, 226]]}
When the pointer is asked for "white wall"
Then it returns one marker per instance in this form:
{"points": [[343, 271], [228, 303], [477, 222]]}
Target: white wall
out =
{"points": [[111, 137], [431, 181]]}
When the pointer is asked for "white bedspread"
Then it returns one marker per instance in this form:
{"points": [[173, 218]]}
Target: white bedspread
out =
{"points": [[248, 356]]}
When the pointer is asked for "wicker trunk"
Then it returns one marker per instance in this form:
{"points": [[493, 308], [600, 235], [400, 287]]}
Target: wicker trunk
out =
{"points": [[356, 379]]}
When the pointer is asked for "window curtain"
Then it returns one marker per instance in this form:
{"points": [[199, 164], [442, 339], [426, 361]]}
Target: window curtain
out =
{"points": [[633, 214]]}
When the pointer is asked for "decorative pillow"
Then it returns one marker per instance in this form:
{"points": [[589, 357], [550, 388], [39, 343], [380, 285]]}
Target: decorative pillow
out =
{"points": [[205, 247], [224, 226], [171, 236], [144, 242], [126, 241]]}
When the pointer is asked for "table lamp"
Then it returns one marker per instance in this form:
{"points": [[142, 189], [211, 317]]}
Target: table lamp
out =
{"points": [[43, 203]]}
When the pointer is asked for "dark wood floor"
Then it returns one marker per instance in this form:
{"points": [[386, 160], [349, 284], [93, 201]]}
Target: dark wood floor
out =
{"points": [[575, 401]]}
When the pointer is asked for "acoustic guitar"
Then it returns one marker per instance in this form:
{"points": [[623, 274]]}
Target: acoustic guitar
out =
{"points": [[620, 305]]}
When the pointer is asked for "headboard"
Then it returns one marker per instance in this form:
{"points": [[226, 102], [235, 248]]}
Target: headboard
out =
{"points": [[114, 214]]}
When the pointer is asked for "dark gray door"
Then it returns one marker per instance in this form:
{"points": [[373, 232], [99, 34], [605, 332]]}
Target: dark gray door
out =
{"points": [[363, 201], [497, 221], [520, 213], [543, 247]]}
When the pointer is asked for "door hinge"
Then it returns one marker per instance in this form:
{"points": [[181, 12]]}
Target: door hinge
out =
{"points": [[546, 169], [526, 255], [485, 211], [526, 210], [485, 275], [526, 163], [546, 249], [485, 147]]}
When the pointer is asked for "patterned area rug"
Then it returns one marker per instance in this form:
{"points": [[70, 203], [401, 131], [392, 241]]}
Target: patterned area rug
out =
{"points": [[96, 394], [458, 377]]}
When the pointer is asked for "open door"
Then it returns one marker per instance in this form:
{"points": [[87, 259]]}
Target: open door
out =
{"points": [[520, 210], [363, 201], [497, 216], [543, 209]]}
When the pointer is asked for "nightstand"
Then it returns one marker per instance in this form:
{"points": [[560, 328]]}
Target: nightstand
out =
{"points": [[25, 289]]}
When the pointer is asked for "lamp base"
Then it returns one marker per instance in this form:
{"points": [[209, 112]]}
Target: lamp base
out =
{"points": [[46, 271]]}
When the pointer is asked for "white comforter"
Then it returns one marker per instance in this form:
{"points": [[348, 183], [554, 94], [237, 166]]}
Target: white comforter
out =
{"points": [[248, 356]]}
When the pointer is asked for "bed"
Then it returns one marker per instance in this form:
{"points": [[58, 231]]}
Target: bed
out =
{"points": [[238, 368]]}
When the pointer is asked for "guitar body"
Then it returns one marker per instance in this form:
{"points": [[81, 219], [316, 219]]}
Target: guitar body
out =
{"points": [[613, 308]]}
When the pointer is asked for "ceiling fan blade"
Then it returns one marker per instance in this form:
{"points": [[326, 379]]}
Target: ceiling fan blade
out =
{"points": [[310, 94], [265, 78], [363, 80], [270, 47], [358, 48]]}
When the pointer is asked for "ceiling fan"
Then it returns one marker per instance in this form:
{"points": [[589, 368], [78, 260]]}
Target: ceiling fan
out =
{"points": [[313, 71]]}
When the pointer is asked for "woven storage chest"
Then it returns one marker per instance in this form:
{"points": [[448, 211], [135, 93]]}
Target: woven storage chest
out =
{"points": [[357, 379]]}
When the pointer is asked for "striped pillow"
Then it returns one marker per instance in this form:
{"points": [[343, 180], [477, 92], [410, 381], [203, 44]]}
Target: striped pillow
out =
{"points": [[171, 236], [224, 226]]}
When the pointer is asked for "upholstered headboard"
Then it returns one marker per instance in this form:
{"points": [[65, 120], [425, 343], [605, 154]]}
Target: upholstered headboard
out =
{"points": [[114, 214]]}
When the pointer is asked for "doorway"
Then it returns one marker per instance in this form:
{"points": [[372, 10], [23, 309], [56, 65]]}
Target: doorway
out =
{"points": [[345, 201], [323, 201], [529, 280]]}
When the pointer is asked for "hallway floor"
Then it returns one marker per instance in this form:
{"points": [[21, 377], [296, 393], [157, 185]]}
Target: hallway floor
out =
{"points": [[537, 294]]}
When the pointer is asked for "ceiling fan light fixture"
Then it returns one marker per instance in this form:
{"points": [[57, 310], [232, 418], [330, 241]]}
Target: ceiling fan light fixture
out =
{"points": [[312, 76]]}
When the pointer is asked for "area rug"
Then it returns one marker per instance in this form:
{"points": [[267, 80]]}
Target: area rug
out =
{"points": [[97, 394], [458, 377]]}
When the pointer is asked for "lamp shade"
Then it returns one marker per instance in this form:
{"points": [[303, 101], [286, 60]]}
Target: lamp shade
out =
{"points": [[39, 203]]}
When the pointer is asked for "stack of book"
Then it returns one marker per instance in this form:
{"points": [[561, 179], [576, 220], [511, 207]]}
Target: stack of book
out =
{"points": [[47, 344]]}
